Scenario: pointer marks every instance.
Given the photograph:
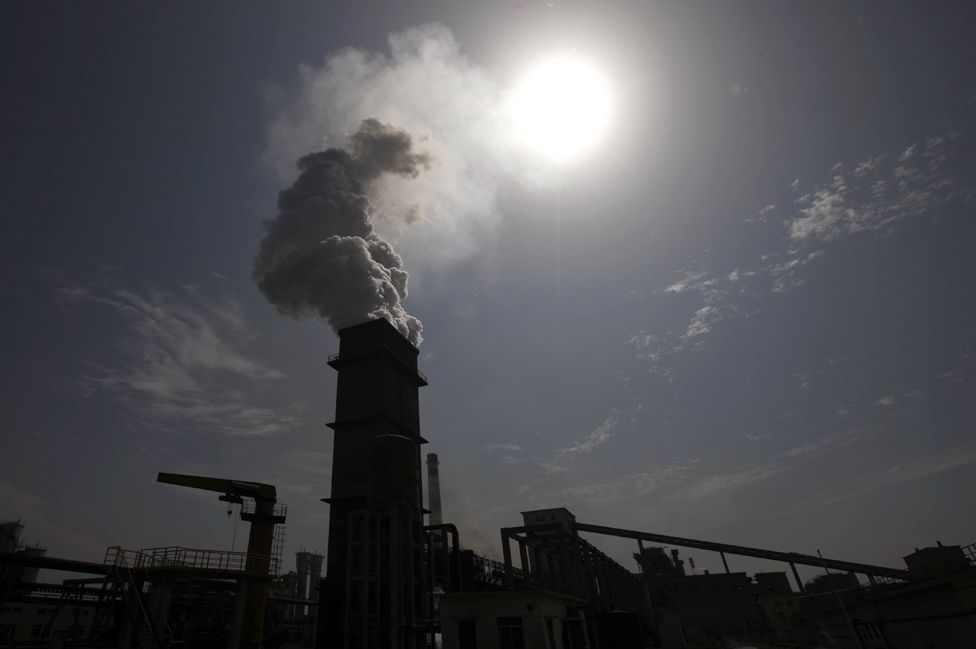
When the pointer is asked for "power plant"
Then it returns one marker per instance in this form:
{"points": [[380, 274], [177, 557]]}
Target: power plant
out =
{"points": [[392, 580]]}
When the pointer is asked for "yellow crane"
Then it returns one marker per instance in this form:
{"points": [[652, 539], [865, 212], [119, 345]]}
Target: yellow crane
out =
{"points": [[259, 543]]}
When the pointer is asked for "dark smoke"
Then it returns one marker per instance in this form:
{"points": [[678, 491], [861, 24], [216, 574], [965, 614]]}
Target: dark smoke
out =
{"points": [[320, 256]]}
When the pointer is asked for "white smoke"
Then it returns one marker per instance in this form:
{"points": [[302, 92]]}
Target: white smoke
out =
{"points": [[451, 107], [320, 256]]}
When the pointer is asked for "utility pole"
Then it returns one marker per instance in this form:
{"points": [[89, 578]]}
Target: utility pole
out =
{"points": [[840, 601]]}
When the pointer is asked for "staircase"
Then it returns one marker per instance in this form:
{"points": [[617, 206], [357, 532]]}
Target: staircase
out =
{"points": [[149, 633]]}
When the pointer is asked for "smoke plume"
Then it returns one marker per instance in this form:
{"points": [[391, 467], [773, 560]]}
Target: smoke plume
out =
{"points": [[426, 85], [320, 256]]}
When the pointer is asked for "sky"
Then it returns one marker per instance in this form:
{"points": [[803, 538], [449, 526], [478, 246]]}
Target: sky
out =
{"points": [[746, 314]]}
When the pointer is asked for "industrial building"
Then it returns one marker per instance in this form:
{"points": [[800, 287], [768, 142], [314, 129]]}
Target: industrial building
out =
{"points": [[396, 575]]}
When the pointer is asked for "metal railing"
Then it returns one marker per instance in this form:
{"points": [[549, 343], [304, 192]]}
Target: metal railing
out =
{"points": [[335, 357], [490, 572], [146, 632], [249, 504], [176, 557], [970, 552]]}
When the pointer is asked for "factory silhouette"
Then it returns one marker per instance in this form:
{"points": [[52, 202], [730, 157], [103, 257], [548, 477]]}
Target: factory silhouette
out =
{"points": [[396, 574]]}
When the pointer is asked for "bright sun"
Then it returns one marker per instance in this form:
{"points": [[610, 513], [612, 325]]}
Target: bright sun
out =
{"points": [[561, 107]]}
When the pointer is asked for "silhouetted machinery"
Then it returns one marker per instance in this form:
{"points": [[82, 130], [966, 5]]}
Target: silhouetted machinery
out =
{"points": [[263, 519]]}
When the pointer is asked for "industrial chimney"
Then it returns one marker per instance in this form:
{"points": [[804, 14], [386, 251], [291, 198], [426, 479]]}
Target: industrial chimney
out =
{"points": [[314, 579], [433, 490], [376, 518], [303, 566]]}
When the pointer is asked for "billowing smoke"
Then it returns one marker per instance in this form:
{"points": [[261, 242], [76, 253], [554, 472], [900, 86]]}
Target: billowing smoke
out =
{"points": [[321, 257], [425, 84]]}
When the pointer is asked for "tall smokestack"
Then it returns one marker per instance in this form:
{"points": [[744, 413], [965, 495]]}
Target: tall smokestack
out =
{"points": [[376, 517], [433, 490]]}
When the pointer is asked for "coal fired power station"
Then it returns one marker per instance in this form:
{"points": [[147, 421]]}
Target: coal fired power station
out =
{"points": [[373, 594], [393, 582]]}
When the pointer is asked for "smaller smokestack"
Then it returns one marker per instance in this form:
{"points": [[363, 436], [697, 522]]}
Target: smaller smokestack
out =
{"points": [[314, 579], [433, 490], [303, 566]]}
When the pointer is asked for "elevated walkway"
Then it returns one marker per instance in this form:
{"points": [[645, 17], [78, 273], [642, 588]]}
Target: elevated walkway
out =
{"points": [[203, 562]]}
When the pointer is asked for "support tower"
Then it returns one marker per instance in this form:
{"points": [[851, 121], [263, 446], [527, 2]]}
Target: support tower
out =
{"points": [[373, 593]]}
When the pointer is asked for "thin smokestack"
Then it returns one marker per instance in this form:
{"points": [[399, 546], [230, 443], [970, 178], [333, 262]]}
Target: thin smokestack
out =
{"points": [[303, 565], [433, 490], [320, 256]]}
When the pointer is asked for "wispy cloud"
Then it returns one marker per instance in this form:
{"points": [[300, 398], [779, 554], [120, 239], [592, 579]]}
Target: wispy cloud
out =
{"points": [[621, 487], [952, 376], [713, 294], [734, 480], [508, 452], [182, 364], [647, 344], [701, 323], [511, 448], [692, 478], [946, 460], [885, 402], [678, 481], [552, 462], [599, 435], [872, 195], [698, 281], [821, 444]]}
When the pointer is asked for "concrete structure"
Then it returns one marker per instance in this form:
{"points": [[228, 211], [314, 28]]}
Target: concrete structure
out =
{"points": [[27, 622], [554, 557], [556, 515], [303, 568], [512, 619], [828, 583], [716, 607], [10, 541], [937, 609], [935, 561], [10, 533], [374, 593]]}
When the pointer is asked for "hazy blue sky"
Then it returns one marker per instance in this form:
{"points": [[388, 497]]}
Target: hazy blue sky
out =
{"points": [[747, 316]]}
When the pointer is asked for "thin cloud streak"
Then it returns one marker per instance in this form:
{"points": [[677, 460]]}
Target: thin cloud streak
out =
{"points": [[182, 366], [875, 195], [946, 460], [691, 479], [868, 196], [600, 435]]}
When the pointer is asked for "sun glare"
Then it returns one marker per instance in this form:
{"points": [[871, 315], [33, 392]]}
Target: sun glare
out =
{"points": [[561, 107]]}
